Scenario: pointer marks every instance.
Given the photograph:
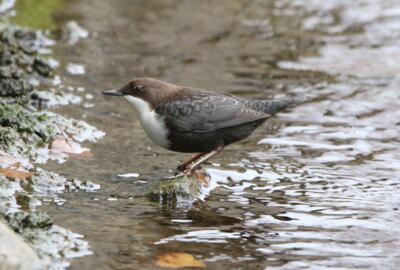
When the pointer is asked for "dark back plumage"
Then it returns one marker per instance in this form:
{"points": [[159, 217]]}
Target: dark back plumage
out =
{"points": [[205, 112]]}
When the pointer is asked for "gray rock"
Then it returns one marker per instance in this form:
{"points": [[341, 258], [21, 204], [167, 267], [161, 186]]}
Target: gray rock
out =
{"points": [[15, 254]]}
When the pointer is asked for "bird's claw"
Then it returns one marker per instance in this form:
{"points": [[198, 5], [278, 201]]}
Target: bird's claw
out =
{"points": [[178, 174], [202, 177]]}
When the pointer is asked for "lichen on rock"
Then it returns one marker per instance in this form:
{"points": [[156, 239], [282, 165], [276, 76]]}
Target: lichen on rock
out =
{"points": [[21, 221], [26, 136]]}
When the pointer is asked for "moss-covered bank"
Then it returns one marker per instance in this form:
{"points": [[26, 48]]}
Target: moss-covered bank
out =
{"points": [[26, 135]]}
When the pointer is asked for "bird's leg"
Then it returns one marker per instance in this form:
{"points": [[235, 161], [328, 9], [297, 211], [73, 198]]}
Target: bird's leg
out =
{"points": [[193, 168], [182, 167], [203, 158]]}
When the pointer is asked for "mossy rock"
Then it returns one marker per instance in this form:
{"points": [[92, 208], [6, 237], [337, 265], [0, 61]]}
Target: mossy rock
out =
{"points": [[175, 190], [21, 221], [22, 130], [25, 121]]}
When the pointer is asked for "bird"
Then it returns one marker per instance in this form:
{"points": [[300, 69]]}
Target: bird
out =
{"points": [[191, 120]]}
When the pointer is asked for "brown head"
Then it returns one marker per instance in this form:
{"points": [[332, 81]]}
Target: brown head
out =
{"points": [[151, 90]]}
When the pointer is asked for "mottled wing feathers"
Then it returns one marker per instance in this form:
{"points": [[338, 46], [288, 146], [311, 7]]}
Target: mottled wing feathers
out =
{"points": [[203, 112]]}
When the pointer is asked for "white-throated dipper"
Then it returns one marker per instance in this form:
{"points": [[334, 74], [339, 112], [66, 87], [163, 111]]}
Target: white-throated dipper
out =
{"points": [[185, 119]]}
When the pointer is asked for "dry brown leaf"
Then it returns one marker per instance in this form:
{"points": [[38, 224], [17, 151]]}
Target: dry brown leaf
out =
{"points": [[73, 149], [14, 173], [178, 260]]}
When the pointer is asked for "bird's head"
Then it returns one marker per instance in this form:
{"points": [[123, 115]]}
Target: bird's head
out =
{"points": [[148, 89]]}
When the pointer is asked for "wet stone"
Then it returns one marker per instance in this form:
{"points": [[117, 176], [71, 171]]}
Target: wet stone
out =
{"points": [[77, 184], [14, 88], [42, 68], [20, 38], [175, 191]]}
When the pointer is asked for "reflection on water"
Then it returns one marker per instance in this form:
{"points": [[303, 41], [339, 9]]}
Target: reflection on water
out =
{"points": [[316, 188]]}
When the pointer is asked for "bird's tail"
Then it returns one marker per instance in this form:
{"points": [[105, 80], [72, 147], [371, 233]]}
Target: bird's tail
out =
{"points": [[271, 107]]}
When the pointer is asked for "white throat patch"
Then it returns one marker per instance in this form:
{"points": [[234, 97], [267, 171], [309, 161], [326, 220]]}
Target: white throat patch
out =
{"points": [[152, 123]]}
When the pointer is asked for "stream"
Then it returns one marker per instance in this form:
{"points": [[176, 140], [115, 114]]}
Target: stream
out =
{"points": [[316, 187]]}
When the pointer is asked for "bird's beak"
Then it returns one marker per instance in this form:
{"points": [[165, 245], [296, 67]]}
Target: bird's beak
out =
{"points": [[112, 92]]}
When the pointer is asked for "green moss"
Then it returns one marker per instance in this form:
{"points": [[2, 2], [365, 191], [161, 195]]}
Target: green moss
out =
{"points": [[38, 14], [40, 144], [23, 200], [30, 126], [13, 115], [43, 117], [176, 189]]}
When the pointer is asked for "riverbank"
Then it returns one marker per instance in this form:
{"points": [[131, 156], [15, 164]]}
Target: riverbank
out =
{"points": [[30, 135]]}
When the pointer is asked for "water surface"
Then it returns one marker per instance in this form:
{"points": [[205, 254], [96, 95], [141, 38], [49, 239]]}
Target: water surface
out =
{"points": [[317, 187]]}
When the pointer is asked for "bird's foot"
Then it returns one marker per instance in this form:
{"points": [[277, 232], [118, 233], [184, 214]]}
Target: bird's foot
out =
{"points": [[198, 172], [183, 172], [178, 174], [202, 176]]}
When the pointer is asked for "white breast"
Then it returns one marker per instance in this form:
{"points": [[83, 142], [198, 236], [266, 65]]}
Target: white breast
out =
{"points": [[152, 123]]}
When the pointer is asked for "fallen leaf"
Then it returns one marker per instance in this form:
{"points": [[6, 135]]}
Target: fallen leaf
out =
{"points": [[178, 260], [73, 149], [14, 173]]}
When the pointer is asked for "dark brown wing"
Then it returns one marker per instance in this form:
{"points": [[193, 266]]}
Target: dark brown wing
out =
{"points": [[203, 112]]}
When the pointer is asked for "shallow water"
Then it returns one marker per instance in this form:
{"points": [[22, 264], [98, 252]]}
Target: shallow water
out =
{"points": [[317, 187]]}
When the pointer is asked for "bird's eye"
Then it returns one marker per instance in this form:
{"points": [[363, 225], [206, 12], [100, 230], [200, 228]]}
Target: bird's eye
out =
{"points": [[138, 88]]}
